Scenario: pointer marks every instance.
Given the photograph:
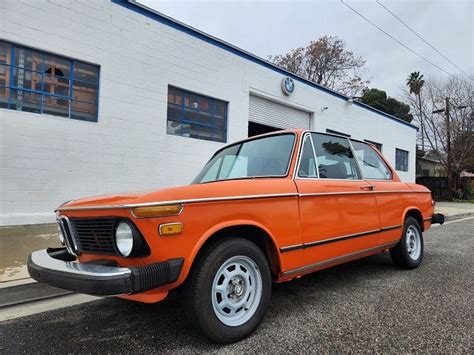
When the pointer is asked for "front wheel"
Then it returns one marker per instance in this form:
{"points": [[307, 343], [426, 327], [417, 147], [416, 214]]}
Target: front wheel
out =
{"points": [[228, 290], [408, 253]]}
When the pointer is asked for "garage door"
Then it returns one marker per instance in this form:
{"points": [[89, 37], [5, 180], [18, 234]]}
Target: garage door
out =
{"points": [[274, 114]]}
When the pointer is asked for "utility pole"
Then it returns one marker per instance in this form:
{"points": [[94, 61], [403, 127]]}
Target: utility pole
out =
{"points": [[449, 151]]}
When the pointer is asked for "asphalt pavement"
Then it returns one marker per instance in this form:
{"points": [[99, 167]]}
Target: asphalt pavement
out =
{"points": [[364, 306]]}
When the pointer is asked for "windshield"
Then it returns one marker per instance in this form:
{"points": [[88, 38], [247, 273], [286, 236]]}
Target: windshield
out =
{"points": [[267, 156]]}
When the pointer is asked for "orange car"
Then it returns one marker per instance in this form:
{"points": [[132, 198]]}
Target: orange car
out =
{"points": [[270, 208]]}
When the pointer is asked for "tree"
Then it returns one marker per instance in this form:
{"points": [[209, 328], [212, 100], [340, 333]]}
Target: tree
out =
{"points": [[378, 99], [415, 83], [446, 108], [327, 62]]}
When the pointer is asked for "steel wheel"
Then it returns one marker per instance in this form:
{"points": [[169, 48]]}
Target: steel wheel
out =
{"points": [[236, 291], [413, 242]]}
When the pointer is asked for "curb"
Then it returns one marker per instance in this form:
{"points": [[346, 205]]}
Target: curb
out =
{"points": [[16, 293], [458, 216]]}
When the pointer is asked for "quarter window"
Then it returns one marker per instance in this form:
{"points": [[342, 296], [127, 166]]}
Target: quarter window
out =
{"points": [[401, 159], [335, 158], [307, 167], [196, 116], [372, 166], [40, 82]]}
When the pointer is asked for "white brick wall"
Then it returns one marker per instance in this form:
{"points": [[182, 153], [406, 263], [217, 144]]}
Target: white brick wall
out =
{"points": [[45, 160]]}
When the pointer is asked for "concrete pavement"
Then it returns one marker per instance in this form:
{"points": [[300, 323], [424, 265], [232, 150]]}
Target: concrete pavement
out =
{"points": [[363, 306]]}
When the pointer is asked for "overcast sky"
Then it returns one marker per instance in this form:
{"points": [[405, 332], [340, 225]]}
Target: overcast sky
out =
{"points": [[275, 27]]}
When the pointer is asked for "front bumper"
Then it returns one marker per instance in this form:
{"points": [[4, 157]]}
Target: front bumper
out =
{"points": [[57, 268]]}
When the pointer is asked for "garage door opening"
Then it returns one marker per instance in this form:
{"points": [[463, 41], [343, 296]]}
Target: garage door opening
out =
{"points": [[257, 128]]}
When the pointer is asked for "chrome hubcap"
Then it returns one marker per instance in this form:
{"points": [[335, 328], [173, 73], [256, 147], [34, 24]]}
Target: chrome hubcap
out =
{"points": [[413, 242], [236, 291]]}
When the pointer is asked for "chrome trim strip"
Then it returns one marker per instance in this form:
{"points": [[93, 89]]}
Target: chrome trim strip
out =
{"points": [[336, 239], [308, 268], [427, 219], [68, 232], [385, 229], [231, 198], [359, 192], [175, 202], [45, 261]]}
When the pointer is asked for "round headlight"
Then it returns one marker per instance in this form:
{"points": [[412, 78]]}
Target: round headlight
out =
{"points": [[124, 238], [60, 236]]}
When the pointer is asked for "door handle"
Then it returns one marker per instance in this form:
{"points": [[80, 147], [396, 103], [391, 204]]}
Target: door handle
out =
{"points": [[367, 187]]}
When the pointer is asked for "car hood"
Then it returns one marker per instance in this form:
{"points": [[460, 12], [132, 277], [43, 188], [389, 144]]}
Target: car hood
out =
{"points": [[218, 189]]}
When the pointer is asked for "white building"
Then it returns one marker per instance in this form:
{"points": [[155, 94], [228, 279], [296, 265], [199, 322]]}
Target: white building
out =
{"points": [[105, 96]]}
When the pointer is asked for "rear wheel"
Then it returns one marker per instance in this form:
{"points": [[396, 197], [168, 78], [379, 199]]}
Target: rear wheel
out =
{"points": [[408, 253], [228, 290]]}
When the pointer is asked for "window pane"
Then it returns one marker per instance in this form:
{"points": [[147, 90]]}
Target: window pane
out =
{"points": [[219, 121], [219, 136], [175, 96], [55, 85], [27, 79], [221, 108], [335, 159], [205, 104], [55, 106], [173, 113], [84, 111], [205, 118], [84, 92], [4, 75], [4, 92], [56, 66], [5, 53], [401, 160], [370, 163], [86, 72], [191, 100], [307, 166], [268, 156], [28, 59], [25, 101], [191, 115], [205, 133]]}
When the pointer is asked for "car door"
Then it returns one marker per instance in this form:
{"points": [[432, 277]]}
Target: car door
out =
{"points": [[392, 201], [337, 209]]}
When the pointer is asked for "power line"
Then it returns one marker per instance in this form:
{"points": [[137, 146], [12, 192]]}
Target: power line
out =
{"points": [[396, 40], [420, 37]]}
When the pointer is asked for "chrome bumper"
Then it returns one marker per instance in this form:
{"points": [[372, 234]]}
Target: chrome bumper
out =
{"points": [[57, 268]]}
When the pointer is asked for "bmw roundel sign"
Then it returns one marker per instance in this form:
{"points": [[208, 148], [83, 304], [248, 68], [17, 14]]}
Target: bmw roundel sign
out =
{"points": [[287, 85]]}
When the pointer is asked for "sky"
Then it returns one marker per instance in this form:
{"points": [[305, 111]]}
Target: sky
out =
{"points": [[275, 27]]}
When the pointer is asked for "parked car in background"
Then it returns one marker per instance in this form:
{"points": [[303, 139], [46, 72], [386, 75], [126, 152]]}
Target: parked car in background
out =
{"points": [[267, 209]]}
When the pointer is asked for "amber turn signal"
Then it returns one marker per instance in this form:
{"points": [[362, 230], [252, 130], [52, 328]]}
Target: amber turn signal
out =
{"points": [[157, 211], [170, 228]]}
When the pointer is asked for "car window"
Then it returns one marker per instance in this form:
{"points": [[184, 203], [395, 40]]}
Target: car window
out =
{"points": [[372, 166], [266, 156], [307, 166], [335, 158]]}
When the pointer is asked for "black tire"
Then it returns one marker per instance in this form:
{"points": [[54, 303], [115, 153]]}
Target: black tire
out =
{"points": [[198, 290], [401, 254]]}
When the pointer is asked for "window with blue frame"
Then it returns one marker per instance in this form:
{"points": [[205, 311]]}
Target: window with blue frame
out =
{"points": [[41, 82], [196, 116], [401, 159]]}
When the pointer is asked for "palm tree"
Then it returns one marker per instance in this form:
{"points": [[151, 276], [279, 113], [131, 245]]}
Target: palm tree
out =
{"points": [[415, 82]]}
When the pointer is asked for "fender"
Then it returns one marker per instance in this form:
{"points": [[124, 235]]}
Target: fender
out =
{"points": [[405, 211], [216, 228]]}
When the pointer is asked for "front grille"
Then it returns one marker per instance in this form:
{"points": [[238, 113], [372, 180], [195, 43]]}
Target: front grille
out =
{"points": [[95, 235]]}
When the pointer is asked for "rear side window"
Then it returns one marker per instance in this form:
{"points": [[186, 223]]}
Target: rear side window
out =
{"points": [[334, 157], [372, 166]]}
